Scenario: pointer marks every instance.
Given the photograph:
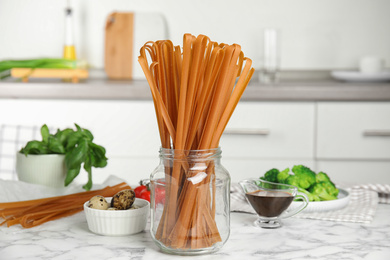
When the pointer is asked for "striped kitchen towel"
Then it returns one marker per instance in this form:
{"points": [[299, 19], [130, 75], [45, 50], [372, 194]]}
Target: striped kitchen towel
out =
{"points": [[361, 207], [383, 191]]}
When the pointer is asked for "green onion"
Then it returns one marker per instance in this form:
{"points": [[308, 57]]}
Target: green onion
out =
{"points": [[51, 63]]}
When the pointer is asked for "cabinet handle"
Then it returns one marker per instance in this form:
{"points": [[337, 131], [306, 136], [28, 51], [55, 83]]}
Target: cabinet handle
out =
{"points": [[246, 131], [376, 133]]}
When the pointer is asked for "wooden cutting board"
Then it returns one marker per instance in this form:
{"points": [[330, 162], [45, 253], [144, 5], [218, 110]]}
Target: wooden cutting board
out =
{"points": [[119, 34]]}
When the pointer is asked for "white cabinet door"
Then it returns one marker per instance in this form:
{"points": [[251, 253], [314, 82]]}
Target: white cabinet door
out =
{"points": [[356, 172], [353, 130], [288, 131]]}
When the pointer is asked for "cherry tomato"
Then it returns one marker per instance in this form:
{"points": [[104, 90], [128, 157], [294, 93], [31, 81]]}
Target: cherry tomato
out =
{"points": [[145, 195], [138, 191], [143, 191]]}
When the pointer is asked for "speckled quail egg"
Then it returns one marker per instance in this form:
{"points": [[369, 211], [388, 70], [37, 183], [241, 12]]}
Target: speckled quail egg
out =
{"points": [[98, 202], [123, 199]]}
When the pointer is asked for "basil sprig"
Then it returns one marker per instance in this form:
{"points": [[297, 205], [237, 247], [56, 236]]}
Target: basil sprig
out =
{"points": [[78, 147]]}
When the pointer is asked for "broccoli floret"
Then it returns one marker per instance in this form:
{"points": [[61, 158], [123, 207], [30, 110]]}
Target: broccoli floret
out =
{"points": [[283, 175], [271, 175], [321, 176], [330, 188], [274, 175], [324, 179], [306, 177], [317, 187], [319, 190], [293, 180], [312, 197]]}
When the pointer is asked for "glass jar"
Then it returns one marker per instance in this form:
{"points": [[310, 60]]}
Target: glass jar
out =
{"points": [[190, 202]]}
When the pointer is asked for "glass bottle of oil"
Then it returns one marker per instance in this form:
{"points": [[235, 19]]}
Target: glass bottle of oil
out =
{"points": [[69, 47]]}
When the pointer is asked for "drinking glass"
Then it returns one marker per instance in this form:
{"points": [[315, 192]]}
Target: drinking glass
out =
{"points": [[269, 72]]}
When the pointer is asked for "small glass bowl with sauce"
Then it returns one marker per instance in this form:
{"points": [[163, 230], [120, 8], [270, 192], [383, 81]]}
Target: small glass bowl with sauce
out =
{"points": [[271, 200]]}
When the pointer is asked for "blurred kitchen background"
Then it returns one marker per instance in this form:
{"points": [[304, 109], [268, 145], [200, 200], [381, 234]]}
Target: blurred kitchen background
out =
{"points": [[316, 35], [338, 127]]}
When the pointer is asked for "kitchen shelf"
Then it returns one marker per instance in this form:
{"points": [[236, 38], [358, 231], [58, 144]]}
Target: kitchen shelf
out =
{"points": [[101, 88]]}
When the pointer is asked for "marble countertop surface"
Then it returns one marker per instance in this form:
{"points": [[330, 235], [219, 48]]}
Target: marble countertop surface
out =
{"points": [[69, 238]]}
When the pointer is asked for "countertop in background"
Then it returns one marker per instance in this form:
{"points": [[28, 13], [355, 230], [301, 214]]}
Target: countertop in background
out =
{"points": [[98, 87]]}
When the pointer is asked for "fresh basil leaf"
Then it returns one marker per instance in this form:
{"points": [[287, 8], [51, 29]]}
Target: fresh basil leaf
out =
{"points": [[88, 185], [88, 169], [78, 128], [99, 155], [77, 155], [62, 136], [45, 134], [87, 163], [35, 147], [92, 157], [98, 149], [99, 163], [73, 139], [55, 145], [88, 134], [71, 174]]}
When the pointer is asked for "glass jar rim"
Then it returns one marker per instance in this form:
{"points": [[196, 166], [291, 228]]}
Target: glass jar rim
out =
{"points": [[192, 154]]}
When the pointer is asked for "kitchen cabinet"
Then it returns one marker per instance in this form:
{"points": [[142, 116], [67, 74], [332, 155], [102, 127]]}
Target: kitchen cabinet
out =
{"points": [[261, 136], [353, 130], [353, 140], [344, 139], [128, 130]]}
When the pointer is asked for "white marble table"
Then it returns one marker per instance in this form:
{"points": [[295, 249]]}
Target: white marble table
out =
{"points": [[69, 238]]}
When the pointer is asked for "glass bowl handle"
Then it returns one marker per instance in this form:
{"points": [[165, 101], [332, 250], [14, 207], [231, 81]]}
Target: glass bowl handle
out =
{"points": [[302, 206]]}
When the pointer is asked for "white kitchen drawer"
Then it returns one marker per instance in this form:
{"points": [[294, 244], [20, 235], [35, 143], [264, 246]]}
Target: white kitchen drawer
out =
{"points": [[353, 130], [289, 131], [356, 172]]}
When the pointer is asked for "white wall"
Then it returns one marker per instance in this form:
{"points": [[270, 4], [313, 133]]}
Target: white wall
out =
{"points": [[327, 34]]}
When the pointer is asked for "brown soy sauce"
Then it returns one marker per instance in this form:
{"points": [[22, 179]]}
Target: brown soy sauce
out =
{"points": [[269, 203]]}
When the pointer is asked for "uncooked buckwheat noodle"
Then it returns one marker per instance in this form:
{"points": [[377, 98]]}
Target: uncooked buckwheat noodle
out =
{"points": [[195, 91], [31, 213]]}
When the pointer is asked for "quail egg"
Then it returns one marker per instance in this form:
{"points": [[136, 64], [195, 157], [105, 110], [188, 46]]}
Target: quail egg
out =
{"points": [[123, 199], [98, 202]]}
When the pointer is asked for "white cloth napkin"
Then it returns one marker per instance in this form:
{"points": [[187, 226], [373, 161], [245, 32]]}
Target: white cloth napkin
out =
{"points": [[360, 209]]}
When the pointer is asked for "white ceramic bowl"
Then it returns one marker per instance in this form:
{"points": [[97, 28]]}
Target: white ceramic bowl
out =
{"points": [[321, 206], [43, 169], [118, 222]]}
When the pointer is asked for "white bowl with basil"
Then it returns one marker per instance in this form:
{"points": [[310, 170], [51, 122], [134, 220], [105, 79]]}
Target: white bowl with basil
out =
{"points": [[59, 158]]}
